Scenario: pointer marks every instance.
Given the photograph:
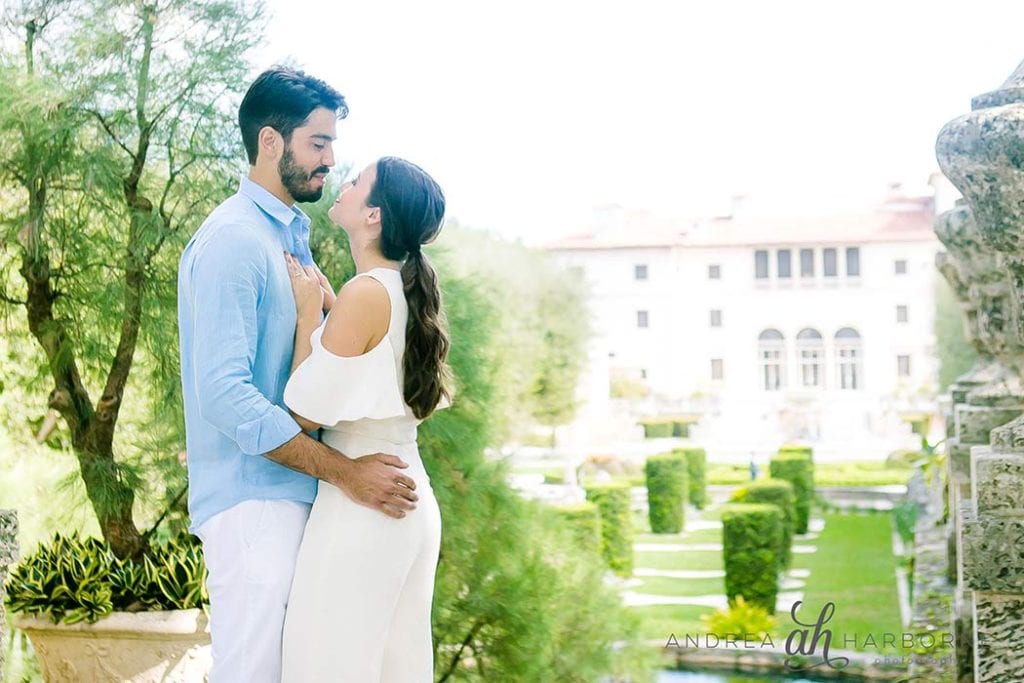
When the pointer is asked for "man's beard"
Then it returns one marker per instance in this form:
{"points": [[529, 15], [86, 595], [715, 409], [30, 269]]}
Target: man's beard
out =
{"points": [[296, 180]]}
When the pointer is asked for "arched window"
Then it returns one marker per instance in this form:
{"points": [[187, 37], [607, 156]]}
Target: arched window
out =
{"points": [[771, 350], [811, 352], [848, 358]]}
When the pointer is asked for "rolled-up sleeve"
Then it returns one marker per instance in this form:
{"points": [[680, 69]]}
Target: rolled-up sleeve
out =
{"points": [[228, 276]]}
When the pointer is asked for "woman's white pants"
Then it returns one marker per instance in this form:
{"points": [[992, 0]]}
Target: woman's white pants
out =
{"points": [[360, 605]]}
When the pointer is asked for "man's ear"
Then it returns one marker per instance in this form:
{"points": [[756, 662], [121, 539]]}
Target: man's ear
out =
{"points": [[271, 143]]}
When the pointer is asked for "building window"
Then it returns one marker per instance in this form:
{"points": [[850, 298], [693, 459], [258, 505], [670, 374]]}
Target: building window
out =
{"points": [[640, 272], [771, 348], [716, 318], [761, 264], [829, 262], [811, 351], [806, 263], [715, 272], [783, 257], [901, 314], [853, 262], [848, 354], [641, 319], [716, 369], [903, 366], [900, 266]]}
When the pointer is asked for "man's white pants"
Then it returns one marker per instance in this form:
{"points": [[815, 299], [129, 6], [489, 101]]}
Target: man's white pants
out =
{"points": [[250, 552]]}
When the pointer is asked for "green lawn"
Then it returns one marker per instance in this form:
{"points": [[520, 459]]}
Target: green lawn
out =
{"points": [[699, 536], [666, 585], [843, 473], [691, 559], [853, 567]]}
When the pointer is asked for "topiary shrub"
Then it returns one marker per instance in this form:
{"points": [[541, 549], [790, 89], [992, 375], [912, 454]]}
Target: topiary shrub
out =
{"points": [[798, 449], [796, 468], [665, 476], [584, 523], [777, 492], [740, 619], [616, 525], [696, 470], [657, 429], [751, 541], [73, 580]]}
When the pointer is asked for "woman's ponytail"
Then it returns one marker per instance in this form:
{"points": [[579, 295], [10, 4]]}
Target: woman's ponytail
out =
{"points": [[412, 207]]}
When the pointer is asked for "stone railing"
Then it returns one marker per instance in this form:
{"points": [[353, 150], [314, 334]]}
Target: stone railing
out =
{"points": [[8, 556], [982, 154]]}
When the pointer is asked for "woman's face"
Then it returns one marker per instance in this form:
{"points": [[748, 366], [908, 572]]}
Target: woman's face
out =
{"points": [[350, 210]]}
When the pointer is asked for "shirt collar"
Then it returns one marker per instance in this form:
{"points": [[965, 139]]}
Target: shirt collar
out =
{"points": [[270, 204]]}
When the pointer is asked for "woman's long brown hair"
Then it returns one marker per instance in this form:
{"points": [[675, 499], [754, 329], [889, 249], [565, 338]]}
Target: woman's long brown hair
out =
{"points": [[412, 208]]}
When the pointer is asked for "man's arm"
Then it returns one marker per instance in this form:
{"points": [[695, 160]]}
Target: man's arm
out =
{"points": [[371, 480], [227, 276]]}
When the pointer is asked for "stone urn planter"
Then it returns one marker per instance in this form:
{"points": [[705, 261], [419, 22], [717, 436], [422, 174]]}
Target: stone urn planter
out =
{"points": [[137, 647]]}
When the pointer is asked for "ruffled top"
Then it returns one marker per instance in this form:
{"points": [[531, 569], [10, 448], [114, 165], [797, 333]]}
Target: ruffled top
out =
{"points": [[328, 388]]}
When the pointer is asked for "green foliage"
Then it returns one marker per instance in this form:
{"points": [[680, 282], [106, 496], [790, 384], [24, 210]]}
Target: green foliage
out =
{"points": [[740, 620], [616, 525], [666, 427], [797, 469], [73, 580], [778, 492], [117, 121], [797, 449], [513, 599], [584, 522], [751, 542], [956, 355], [696, 469], [904, 518], [544, 326], [666, 492]]}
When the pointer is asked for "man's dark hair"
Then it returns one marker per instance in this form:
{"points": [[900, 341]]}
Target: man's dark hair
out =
{"points": [[283, 98]]}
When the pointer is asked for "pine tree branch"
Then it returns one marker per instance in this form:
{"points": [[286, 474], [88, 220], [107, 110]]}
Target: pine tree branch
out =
{"points": [[110, 131]]}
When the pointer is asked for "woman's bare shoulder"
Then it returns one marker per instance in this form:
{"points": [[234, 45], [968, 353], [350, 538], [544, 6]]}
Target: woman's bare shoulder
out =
{"points": [[359, 318]]}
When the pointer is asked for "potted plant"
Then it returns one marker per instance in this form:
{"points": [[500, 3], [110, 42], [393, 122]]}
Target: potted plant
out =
{"points": [[92, 616]]}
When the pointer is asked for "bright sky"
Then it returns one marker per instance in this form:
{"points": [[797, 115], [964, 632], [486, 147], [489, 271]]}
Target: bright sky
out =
{"points": [[531, 113]]}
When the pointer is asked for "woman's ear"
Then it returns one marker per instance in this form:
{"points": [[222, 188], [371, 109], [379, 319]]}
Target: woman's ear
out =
{"points": [[373, 217]]}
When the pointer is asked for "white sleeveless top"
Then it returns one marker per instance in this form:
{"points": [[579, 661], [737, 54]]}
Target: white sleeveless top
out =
{"points": [[359, 396]]}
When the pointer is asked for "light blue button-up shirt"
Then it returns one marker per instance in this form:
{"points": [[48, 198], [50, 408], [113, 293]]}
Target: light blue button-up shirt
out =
{"points": [[236, 322]]}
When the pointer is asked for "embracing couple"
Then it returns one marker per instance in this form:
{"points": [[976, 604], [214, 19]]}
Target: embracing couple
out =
{"points": [[321, 551]]}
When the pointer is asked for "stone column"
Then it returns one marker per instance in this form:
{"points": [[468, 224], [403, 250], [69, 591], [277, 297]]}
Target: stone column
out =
{"points": [[8, 556], [981, 399], [981, 153]]}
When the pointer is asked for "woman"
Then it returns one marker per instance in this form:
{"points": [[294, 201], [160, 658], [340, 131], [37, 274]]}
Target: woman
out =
{"points": [[360, 603]]}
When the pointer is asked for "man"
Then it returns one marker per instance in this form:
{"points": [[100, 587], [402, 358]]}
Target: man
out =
{"points": [[252, 472]]}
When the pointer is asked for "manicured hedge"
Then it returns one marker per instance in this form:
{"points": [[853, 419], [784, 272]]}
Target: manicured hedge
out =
{"points": [[666, 492], [797, 469], [751, 540], [777, 492], [696, 469], [584, 522], [665, 427], [795, 448], [616, 526]]}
